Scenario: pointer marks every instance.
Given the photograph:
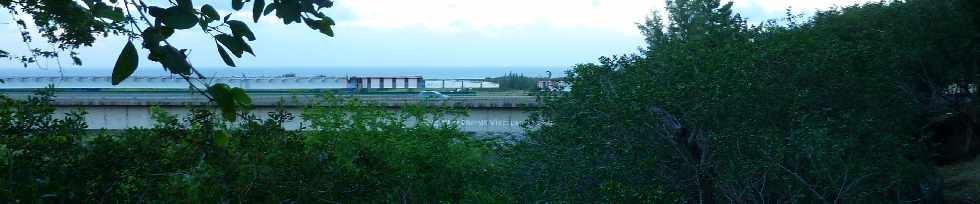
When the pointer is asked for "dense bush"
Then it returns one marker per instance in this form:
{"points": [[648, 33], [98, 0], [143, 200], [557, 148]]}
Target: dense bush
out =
{"points": [[352, 153], [830, 109], [513, 81]]}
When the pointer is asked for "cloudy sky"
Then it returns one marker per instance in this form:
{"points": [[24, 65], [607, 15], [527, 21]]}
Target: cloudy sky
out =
{"points": [[430, 33]]}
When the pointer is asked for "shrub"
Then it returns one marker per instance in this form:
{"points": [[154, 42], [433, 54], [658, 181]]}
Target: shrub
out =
{"points": [[353, 153], [824, 110]]}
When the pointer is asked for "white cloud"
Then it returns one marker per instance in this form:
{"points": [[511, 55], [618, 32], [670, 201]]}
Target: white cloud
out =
{"points": [[428, 32], [796, 5], [492, 16]]}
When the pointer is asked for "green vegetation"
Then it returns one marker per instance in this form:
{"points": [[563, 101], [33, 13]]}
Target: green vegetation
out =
{"points": [[69, 25], [854, 105], [512, 81], [849, 106], [349, 153]]}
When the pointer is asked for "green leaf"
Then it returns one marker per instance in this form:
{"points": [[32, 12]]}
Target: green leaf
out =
{"points": [[154, 34], [126, 64], [237, 4], [327, 20], [321, 15], [323, 3], [245, 46], [209, 12], [270, 8], [186, 4], [224, 55], [313, 24], [257, 9], [179, 18], [104, 11], [2, 82], [241, 98], [157, 12], [209, 15], [174, 61], [288, 12], [221, 138], [231, 43], [222, 96], [325, 27], [239, 29], [165, 32], [77, 61]]}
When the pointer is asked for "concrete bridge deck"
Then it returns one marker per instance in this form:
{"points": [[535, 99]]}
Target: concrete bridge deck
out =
{"points": [[487, 115], [274, 99]]}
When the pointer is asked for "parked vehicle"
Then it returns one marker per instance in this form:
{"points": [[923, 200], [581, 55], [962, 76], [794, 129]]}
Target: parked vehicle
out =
{"points": [[432, 95]]}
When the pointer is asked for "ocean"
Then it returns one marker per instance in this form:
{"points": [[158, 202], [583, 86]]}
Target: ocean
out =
{"points": [[425, 72]]}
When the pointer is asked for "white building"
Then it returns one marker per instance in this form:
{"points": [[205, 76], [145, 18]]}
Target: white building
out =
{"points": [[410, 82]]}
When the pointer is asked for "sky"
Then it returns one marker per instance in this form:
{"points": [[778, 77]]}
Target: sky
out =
{"points": [[456, 34]]}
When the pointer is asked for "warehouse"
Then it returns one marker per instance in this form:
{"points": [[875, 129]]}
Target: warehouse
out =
{"points": [[410, 82]]}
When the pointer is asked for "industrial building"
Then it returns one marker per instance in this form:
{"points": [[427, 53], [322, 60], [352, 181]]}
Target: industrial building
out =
{"points": [[410, 82]]}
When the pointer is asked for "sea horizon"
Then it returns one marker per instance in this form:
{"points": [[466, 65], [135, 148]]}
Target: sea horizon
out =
{"points": [[425, 72]]}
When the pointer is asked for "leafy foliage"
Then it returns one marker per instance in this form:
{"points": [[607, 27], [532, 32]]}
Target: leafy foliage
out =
{"points": [[352, 153], [825, 110], [853, 105], [514, 81], [126, 64], [68, 25]]}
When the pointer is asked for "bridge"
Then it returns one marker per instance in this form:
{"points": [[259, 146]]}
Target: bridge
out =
{"points": [[488, 115], [127, 105], [250, 83], [272, 99]]}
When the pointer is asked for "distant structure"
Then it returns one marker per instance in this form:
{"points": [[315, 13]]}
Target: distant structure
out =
{"points": [[554, 85], [164, 82], [410, 82]]}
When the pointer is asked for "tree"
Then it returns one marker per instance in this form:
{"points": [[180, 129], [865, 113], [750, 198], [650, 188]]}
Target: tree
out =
{"points": [[826, 110], [68, 25]]}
